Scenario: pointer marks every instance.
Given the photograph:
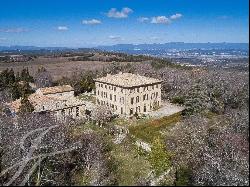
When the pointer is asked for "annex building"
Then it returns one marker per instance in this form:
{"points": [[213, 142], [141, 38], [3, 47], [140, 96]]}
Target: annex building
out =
{"points": [[58, 100], [127, 94]]}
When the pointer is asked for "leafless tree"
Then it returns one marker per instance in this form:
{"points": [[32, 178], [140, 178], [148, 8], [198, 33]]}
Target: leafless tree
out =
{"points": [[101, 115], [43, 78], [216, 150]]}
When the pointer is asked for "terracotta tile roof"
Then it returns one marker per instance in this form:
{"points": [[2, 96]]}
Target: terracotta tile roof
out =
{"points": [[38, 100], [34, 99], [56, 89], [127, 80]]}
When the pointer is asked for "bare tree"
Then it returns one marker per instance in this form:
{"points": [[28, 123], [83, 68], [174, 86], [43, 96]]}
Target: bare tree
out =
{"points": [[101, 115], [43, 78], [217, 151]]}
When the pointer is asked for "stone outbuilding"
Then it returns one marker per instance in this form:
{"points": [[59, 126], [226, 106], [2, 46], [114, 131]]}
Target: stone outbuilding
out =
{"points": [[58, 100]]}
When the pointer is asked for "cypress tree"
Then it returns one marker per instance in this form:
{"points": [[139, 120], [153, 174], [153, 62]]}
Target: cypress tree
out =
{"points": [[15, 92], [26, 106], [11, 77]]}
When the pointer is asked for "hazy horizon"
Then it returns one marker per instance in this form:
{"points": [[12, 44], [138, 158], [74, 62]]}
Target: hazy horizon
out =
{"points": [[91, 23], [124, 44]]}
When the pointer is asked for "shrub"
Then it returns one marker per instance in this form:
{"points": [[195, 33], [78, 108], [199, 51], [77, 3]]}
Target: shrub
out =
{"points": [[178, 100], [159, 158], [183, 176]]}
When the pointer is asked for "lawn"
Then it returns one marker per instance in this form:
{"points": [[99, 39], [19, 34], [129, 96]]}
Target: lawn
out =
{"points": [[148, 130]]}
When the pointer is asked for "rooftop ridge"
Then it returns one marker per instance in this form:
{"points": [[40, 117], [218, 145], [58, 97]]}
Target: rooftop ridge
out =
{"points": [[127, 80], [56, 89]]}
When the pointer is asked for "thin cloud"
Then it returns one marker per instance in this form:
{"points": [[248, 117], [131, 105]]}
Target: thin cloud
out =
{"points": [[176, 16], [13, 30], [114, 13], [160, 20], [91, 22], [112, 37], [143, 19], [62, 28]]}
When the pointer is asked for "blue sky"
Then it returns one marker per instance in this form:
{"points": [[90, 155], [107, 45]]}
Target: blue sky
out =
{"points": [[84, 23]]}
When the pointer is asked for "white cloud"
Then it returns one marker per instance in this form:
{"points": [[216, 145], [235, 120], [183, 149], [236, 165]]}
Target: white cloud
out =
{"points": [[164, 19], [176, 16], [91, 22], [113, 13], [112, 37], [143, 19], [62, 28], [13, 30], [160, 20]]}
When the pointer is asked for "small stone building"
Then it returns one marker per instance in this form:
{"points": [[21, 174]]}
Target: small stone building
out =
{"points": [[58, 100], [127, 94]]}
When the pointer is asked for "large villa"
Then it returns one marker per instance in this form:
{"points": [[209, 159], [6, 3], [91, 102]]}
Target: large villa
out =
{"points": [[128, 93]]}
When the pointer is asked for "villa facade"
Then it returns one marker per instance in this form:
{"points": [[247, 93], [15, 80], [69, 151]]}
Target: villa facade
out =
{"points": [[128, 94]]}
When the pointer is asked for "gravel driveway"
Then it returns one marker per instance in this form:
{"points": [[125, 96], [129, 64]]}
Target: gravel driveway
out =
{"points": [[166, 109]]}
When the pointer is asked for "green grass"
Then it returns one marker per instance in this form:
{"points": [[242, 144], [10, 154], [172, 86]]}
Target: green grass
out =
{"points": [[131, 166], [148, 130]]}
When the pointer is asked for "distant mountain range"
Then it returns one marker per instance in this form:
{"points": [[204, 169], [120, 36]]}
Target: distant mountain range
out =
{"points": [[135, 47], [177, 46], [27, 48]]}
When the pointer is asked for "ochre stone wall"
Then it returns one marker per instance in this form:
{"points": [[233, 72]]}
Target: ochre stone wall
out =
{"points": [[144, 97]]}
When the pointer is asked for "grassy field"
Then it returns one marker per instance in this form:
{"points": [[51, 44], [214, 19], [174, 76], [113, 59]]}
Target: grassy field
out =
{"points": [[131, 165], [58, 67]]}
